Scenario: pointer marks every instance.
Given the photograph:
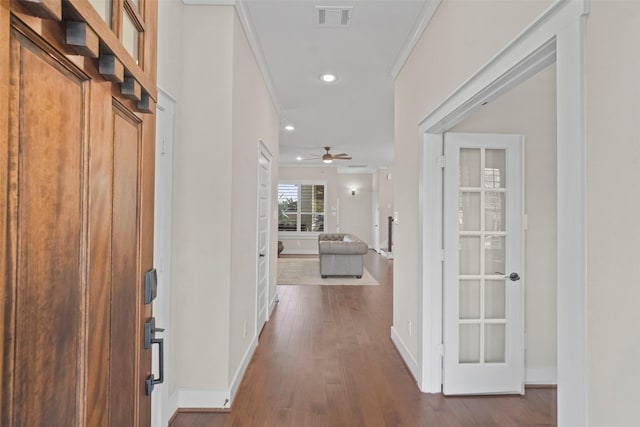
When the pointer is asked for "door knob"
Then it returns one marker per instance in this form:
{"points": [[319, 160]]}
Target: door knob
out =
{"points": [[514, 277]]}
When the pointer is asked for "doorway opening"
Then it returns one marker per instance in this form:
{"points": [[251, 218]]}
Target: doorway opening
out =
{"points": [[558, 36]]}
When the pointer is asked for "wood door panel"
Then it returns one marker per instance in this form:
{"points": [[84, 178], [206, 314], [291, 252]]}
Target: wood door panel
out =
{"points": [[6, 234], [125, 289], [49, 289], [99, 286]]}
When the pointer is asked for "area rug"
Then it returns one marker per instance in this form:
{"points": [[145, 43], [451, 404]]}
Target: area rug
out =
{"points": [[306, 271]]}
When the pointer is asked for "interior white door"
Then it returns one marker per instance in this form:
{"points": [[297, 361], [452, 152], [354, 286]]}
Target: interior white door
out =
{"points": [[162, 251], [375, 220], [483, 264], [264, 197]]}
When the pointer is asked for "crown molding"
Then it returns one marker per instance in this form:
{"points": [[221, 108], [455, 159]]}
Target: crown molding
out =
{"points": [[254, 43], [423, 19]]}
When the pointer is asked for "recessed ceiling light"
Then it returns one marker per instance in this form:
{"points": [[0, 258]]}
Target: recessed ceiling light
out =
{"points": [[289, 128], [298, 158], [328, 78]]}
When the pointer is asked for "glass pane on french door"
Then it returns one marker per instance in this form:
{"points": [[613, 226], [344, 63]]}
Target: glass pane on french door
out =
{"points": [[482, 237]]}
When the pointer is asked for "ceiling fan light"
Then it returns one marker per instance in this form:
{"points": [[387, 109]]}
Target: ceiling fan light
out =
{"points": [[290, 128], [327, 161]]}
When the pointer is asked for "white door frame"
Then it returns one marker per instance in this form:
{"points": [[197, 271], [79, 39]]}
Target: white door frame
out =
{"points": [[557, 35], [263, 151], [162, 409]]}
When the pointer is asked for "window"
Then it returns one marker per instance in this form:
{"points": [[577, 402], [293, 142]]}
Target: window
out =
{"points": [[301, 207], [126, 18], [104, 9]]}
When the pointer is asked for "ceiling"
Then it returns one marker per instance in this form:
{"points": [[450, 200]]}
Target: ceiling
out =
{"points": [[355, 114]]}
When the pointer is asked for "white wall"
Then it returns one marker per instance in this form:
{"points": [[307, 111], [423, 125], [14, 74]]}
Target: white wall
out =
{"points": [[462, 36], [169, 45], [169, 79], [202, 235], [613, 234], [354, 216], [530, 110], [254, 118], [223, 109]]}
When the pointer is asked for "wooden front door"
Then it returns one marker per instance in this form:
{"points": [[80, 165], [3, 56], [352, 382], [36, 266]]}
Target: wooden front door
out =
{"points": [[76, 225]]}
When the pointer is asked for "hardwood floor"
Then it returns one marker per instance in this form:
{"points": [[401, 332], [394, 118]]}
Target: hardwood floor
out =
{"points": [[325, 359]]}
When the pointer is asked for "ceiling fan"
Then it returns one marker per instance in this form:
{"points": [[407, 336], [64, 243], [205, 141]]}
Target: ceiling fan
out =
{"points": [[329, 158]]}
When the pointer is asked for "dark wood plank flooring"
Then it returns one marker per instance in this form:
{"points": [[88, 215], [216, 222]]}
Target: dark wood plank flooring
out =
{"points": [[325, 359]]}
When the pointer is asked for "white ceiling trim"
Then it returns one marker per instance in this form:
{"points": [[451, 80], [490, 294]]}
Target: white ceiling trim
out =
{"points": [[423, 19], [254, 43], [247, 24]]}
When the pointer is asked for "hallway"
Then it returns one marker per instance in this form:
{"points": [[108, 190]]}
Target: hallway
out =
{"points": [[325, 359]]}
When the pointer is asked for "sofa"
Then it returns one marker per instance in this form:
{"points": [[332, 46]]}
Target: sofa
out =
{"points": [[341, 254]]}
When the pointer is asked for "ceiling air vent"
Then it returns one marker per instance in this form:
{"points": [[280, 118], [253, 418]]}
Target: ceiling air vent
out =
{"points": [[334, 16], [357, 166]]}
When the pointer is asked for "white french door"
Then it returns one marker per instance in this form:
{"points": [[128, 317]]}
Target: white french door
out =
{"points": [[483, 264]]}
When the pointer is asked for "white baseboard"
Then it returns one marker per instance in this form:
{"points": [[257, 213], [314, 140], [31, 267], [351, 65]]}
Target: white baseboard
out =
{"points": [[203, 398], [237, 378], [274, 301], [172, 407], [408, 359], [300, 252], [184, 398], [546, 376]]}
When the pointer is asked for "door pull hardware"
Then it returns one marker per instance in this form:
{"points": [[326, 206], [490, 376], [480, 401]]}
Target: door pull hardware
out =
{"points": [[150, 332], [261, 255], [151, 381], [150, 339], [150, 285]]}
